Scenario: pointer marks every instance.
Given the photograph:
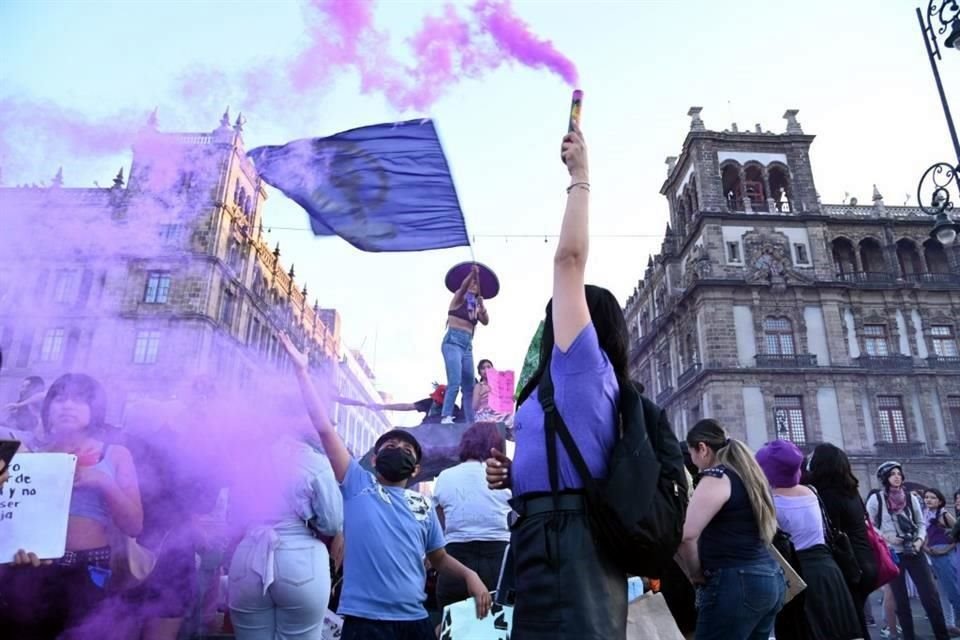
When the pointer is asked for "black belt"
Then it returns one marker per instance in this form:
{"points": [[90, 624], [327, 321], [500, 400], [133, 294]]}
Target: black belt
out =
{"points": [[97, 557], [531, 506]]}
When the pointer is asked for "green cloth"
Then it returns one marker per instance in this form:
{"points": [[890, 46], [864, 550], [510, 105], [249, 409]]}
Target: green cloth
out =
{"points": [[531, 361]]}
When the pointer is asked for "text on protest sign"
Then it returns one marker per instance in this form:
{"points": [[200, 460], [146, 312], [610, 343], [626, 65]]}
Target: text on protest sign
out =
{"points": [[35, 505]]}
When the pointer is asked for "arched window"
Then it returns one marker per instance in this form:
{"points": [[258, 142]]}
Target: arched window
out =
{"points": [[844, 258], [909, 258], [778, 336], [236, 192], [753, 187], [936, 257], [871, 256], [730, 174], [779, 181], [693, 195]]}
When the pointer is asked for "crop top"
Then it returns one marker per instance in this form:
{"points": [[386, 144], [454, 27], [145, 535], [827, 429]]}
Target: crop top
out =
{"points": [[464, 311], [87, 502]]}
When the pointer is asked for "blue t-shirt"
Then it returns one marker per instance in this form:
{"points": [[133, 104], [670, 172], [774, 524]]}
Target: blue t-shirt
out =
{"points": [[587, 395], [388, 532]]}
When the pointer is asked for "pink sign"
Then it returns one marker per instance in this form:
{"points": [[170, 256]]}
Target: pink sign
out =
{"points": [[501, 390]]}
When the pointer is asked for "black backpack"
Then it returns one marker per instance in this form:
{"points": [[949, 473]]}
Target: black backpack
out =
{"points": [[636, 514]]}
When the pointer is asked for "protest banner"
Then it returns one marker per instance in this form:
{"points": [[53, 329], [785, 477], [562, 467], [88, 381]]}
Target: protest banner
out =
{"points": [[501, 390], [35, 505]]}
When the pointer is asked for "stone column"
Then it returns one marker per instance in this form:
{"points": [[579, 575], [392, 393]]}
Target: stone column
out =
{"points": [[747, 205], [771, 204]]}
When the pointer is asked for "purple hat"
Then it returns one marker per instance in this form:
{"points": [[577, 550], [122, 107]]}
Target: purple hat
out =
{"points": [[489, 283], [780, 461]]}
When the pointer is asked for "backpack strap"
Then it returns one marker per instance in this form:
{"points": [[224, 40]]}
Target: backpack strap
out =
{"points": [[824, 516], [553, 427]]}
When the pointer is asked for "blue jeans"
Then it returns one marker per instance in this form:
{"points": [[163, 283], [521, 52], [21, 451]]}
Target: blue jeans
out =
{"points": [[294, 605], [457, 349], [949, 583], [740, 603]]}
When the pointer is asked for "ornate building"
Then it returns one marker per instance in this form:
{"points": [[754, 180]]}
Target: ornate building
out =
{"points": [[156, 279], [783, 317]]}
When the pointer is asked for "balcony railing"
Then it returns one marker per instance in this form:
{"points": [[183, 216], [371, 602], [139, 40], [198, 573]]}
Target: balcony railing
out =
{"points": [[786, 361], [932, 278], [664, 395], [894, 362], [866, 277], [898, 450], [943, 362], [689, 374]]}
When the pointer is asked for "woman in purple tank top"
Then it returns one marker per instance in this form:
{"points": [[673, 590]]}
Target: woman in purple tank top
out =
{"points": [[56, 600], [939, 548], [566, 586]]}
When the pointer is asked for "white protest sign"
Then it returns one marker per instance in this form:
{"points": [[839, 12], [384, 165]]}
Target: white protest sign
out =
{"points": [[35, 505], [332, 626], [460, 622]]}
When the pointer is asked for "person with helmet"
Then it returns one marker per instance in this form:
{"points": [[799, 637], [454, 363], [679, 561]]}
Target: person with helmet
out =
{"points": [[898, 515]]}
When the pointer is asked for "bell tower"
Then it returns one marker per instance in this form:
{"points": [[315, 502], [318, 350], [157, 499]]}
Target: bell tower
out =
{"points": [[738, 172]]}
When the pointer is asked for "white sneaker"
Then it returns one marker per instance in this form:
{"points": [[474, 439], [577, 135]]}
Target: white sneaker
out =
{"points": [[447, 420]]}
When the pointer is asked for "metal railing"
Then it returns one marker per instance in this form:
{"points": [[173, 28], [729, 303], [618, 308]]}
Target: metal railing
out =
{"points": [[944, 362], [861, 277], [689, 374], [896, 362], [786, 361], [898, 450]]}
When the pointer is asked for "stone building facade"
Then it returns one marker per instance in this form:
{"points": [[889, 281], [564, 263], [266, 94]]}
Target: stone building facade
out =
{"points": [[155, 280], [784, 317]]}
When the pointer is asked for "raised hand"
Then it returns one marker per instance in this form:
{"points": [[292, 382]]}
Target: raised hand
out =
{"points": [[573, 151], [299, 358]]}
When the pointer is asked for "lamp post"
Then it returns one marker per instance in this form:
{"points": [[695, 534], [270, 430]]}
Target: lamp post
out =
{"points": [[941, 180]]}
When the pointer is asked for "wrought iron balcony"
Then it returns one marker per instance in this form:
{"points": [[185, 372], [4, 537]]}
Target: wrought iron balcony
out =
{"points": [[944, 362], [664, 395], [899, 450], [689, 374], [866, 277], [933, 278], [895, 362], [786, 361], [953, 448]]}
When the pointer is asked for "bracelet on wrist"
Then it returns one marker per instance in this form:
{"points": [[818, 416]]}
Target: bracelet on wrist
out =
{"points": [[579, 185]]}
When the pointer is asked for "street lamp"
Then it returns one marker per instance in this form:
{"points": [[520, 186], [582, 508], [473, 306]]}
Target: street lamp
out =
{"points": [[943, 178]]}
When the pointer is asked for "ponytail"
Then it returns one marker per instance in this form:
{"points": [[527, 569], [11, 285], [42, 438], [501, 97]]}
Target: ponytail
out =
{"points": [[738, 457]]}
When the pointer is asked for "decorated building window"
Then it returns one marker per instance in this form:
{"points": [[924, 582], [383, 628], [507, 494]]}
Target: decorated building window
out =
{"points": [[789, 420]]}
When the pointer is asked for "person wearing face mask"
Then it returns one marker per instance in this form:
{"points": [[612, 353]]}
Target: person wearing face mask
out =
{"points": [[388, 530], [898, 516]]}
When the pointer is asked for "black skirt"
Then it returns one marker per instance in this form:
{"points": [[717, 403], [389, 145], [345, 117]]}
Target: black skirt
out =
{"points": [[566, 588], [829, 606]]}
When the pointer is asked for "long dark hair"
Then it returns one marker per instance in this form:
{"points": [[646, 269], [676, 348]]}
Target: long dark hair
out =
{"points": [[82, 387], [829, 468], [607, 318], [940, 497]]}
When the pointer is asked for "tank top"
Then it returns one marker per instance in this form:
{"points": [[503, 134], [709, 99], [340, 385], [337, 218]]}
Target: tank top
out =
{"points": [[464, 311], [732, 538], [936, 533], [87, 502]]}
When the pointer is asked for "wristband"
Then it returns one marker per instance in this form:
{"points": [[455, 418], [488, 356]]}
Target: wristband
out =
{"points": [[583, 185]]}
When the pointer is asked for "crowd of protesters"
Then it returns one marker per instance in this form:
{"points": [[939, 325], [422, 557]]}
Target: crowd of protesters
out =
{"points": [[333, 534]]}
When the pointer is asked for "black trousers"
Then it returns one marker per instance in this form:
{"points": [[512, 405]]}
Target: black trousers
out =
{"points": [[49, 603], [566, 587], [365, 629], [483, 556], [916, 565]]}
